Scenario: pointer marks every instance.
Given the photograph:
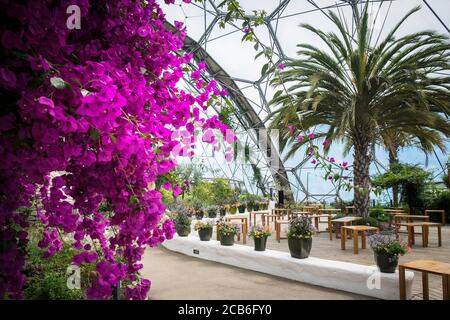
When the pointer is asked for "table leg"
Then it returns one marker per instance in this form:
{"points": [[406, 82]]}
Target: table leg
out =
{"points": [[446, 287], [330, 228], [355, 242], [278, 231], [337, 229], [439, 236], [244, 233], [425, 288], [413, 233], [363, 240], [424, 236], [401, 277], [343, 237], [316, 222], [410, 236]]}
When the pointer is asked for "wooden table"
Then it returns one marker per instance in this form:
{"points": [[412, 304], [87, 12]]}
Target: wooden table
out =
{"points": [[426, 267], [243, 222], [425, 231], [442, 212], [349, 207], [254, 213], [278, 224], [408, 218], [282, 212], [330, 210], [356, 230], [317, 217], [345, 221]]}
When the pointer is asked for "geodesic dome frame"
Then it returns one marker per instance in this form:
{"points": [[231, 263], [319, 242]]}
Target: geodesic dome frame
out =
{"points": [[250, 114]]}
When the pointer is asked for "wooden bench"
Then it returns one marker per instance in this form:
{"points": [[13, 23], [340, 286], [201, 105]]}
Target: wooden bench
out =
{"points": [[426, 267]]}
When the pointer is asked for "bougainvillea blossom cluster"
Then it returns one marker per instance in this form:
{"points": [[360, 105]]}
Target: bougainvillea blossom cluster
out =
{"points": [[99, 105]]}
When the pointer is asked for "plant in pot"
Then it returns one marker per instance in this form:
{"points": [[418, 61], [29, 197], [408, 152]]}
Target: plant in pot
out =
{"points": [[182, 224], [260, 234], [199, 211], [299, 236], [386, 249], [263, 204], [227, 231], [205, 229], [233, 208], [243, 201], [212, 211], [223, 209]]}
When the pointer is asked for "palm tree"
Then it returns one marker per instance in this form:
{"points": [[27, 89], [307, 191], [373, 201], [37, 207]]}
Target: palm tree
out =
{"points": [[362, 92]]}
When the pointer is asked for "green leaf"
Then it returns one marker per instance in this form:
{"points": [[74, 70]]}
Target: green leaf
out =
{"points": [[264, 69], [277, 94]]}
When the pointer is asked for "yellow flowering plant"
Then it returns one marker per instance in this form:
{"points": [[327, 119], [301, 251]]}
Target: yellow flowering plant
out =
{"points": [[203, 224], [260, 232]]}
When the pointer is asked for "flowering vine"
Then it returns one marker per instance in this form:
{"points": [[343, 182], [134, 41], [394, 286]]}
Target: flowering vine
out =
{"points": [[92, 115]]}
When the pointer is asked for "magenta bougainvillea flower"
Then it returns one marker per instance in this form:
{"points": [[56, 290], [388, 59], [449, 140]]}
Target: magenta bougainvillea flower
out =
{"points": [[101, 106]]}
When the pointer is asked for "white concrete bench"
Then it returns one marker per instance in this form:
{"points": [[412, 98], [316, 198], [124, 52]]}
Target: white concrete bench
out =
{"points": [[351, 277]]}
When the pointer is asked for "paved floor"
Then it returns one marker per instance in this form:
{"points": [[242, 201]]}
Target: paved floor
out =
{"points": [[176, 276], [326, 249]]}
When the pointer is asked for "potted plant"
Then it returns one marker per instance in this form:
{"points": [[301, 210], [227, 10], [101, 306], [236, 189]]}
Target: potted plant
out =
{"points": [[212, 211], [182, 224], [198, 209], [241, 207], [233, 208], [386, 249], [227, 231], [243, 201], [299, 236], [223, 210], [205, 229], [260, 234]]}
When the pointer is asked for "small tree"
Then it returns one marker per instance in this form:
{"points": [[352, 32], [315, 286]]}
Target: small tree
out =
{"points": [[412, 181]]}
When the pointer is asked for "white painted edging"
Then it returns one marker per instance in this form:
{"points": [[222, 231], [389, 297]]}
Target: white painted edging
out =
{"points": [[351, 277]]}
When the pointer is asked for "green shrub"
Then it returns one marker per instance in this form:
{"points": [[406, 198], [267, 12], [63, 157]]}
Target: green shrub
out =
{"points": [[441, 202], [46, 277], [368, 221], [379, 214]]}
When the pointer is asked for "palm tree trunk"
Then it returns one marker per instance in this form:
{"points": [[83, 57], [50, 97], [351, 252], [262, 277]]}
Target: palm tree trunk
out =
{"points": [[361, 164], [393, 160]]}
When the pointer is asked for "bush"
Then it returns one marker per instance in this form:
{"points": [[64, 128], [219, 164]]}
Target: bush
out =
{"points": [[441, 202], [46, 277], [379, 214], [368, 221]]}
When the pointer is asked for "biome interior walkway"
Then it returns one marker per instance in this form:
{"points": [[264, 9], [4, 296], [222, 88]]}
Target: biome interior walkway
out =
{"points": [[176, 276], [324, 248]]}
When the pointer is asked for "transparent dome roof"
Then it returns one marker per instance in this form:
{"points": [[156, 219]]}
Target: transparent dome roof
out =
{"points": [[282, 33]]}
